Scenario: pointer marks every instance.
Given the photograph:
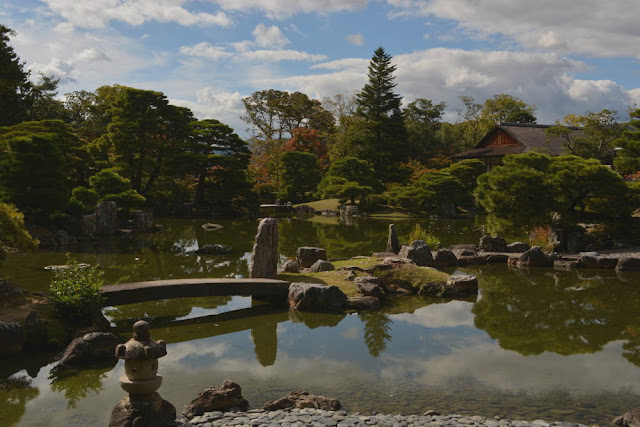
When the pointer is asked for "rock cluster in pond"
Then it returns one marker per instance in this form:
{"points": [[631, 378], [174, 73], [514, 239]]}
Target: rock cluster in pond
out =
{"points": [[316, 297], [445, 258], [227, 397], [302, 399], [595, 260], [265, 256], [534, 257], [457, 286], [308, 255]]}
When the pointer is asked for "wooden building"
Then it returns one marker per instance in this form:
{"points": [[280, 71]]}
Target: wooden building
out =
{"points": [[514, 138]]}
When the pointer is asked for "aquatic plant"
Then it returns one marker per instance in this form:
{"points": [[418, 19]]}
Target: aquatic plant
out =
{"points": [[75, 291]]}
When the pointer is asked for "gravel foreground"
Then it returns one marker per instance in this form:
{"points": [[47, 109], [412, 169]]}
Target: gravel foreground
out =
{"points": [[321, 418]]}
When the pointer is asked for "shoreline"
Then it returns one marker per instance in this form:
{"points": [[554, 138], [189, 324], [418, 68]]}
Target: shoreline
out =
{"points": [[318, 417]]}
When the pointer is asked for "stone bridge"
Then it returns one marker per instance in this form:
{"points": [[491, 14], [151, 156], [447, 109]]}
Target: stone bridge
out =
{"points": [[129, 293]]}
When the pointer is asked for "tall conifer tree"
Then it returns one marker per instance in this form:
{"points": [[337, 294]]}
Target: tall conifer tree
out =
{"points": [[379, 106], [14, 82]]}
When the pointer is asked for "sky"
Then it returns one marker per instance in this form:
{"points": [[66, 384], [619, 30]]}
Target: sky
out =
{"points": [[563, 56]]}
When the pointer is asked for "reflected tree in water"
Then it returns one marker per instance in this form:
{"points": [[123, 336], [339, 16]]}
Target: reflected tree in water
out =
{"points": [[560, 312], [78, 384], [15, 392], [376, 331]]}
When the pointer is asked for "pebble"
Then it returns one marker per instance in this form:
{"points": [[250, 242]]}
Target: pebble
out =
{"points": [[321, 418]]}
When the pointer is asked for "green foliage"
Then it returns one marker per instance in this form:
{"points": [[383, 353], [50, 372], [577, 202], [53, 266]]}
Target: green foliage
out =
{"points": [[349, 177], [14, 82], [627, 160], [467, 172], [418, 232], [109, 182], [533, 189], [379, 107], [433, 192], [422, 121], [75, 291], [597, 133], [299, 174], [32, 175], [13, 234], [127, 200], [83, 199]]}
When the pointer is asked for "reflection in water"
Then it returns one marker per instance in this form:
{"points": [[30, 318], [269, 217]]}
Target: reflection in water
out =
{"points": [[78, 384], [15, 392], [376, 331], [564, 312]]}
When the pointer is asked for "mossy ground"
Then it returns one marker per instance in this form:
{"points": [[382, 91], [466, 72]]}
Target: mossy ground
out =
{"points": [[408, 275]]}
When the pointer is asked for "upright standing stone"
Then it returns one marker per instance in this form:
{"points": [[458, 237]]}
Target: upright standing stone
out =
{"points": [[264, 258], [393, 244], [143, 221], [106, 217]]}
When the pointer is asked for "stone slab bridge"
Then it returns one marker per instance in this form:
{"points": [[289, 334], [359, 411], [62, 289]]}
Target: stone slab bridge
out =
{"points": [[128, 293]]}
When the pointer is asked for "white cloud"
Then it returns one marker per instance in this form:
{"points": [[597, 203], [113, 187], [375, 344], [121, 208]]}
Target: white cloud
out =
{"points": [[355, 39], [205, 50], [269, 36], [97, 13], [542, 79], [451, 314], [280, 55], [91, 54], [215, 104], [284, 8], [592, 28]]}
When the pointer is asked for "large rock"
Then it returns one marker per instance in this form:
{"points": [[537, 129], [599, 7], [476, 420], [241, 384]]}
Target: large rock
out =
{"points": [[534, 257], [289, 266], [350, 211], [9, 290], [143, 221], [418, 252], [307, 255], [368, 279], [463, 250], [88, 224], [492, 244], [321, 265], [316, 297], [370, 289], [11, 338], [445, 258], [471, 260], [393, 244], [106, 218], [518, 247], [264, 259], [91, 347], [628, 263], [629, 419], [464, 283], [595, 260], [153, 411], [302, 399], [224, 398]]}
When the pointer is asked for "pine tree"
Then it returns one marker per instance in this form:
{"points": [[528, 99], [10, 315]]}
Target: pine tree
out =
{"points": [[14, 83], [379, 106]]}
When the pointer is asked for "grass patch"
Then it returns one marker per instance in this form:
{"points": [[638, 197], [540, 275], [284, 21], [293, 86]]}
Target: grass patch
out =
{"points": [[390, 212], [322, 204], [409, 275], [413, 276]]}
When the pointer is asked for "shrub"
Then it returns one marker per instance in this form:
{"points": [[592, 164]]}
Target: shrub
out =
{"points": [[540, 236], [418, 232], [75, 291]]}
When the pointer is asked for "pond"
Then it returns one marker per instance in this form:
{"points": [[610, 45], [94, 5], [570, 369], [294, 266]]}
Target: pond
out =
{"points": [[537, 344]]}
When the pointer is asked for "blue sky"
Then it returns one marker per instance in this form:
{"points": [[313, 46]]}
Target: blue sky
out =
{"points": [[563, 56]]}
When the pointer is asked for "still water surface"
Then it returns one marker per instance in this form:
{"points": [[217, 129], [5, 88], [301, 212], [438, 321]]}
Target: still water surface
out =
{"points": [[536, 344]]}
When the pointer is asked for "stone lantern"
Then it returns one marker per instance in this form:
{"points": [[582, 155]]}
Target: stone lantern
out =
{"points": [[141, 380]]}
